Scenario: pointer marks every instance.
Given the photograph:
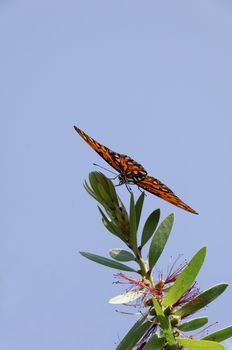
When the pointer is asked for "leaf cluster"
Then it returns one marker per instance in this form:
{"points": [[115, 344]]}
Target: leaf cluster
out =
{"points": [[167, 302]]}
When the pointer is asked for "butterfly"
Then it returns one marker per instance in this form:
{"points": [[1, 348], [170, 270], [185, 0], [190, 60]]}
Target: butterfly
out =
{"points": [[131, 172]]}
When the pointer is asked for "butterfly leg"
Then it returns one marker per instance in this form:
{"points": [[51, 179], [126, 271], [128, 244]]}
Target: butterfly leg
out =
{"points": [[123, 183], [128, 187], [126, 184], [142, 191], [114, 178]]}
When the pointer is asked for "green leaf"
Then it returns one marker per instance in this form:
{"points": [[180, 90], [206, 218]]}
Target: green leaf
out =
{"points": [[159, 240], [165, 324], [107, 262], [201, 300], [150, 226], [93, 179], [134, 335], [155, 343], [112, 191], [186, 278], [102, 189], [193, 344], [133, 225], [192, 324], [89, 190], [138, 208], [106, 185], [112, 229], [110, 226], [104, 195], [220, 335], [121, 255]]}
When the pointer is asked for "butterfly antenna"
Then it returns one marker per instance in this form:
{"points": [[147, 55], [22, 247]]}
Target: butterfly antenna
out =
{"points": [[102, 167]]}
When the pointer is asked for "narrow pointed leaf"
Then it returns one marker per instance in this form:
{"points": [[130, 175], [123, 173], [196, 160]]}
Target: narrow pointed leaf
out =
{"points": [[155, 343], [165, 324], [193, 344], [110, 226], [139, 207], [150, 226], [88, 188], [90, 191], [112, 229], [104, 194], [108, 188], [101, 178], [126, 297], [159, 240], [121, 255], [134, 335], [192, 324], [112, 191], [94, 183], [220, 335], [133, 225], [107, 262], [186, 278], [201, 300]]}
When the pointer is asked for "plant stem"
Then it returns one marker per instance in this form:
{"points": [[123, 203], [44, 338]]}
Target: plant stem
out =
{"points": [[144, 270]]}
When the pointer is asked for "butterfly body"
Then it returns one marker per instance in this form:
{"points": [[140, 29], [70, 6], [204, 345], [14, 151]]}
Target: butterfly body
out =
{"points": [[131, 172]]}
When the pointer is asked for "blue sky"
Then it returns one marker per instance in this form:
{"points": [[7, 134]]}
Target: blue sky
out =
{"points": [[149, 79]]}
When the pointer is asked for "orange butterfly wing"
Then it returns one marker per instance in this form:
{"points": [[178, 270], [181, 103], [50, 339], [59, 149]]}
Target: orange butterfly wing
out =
{"points": [[130, 170], [134, 173], [156, 187], [103, 151]]}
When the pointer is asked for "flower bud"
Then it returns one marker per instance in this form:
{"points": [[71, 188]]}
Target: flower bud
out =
{"points": [[103, 190]]}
